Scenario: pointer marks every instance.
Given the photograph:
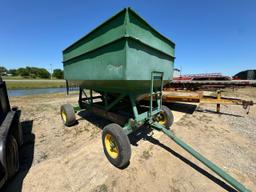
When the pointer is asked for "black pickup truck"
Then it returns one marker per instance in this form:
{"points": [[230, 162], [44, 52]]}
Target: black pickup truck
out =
{"points": [[11, 137]]}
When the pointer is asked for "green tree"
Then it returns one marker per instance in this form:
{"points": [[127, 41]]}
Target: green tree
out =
{"points": [[12, 72], [43, 73], [58, 73], [33, 72], [3, 70], [24, 72]]}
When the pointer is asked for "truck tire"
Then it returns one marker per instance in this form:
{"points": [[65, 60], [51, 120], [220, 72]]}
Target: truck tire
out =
{"points": [[116, 145], [12, 157], [68, 115], [20, 140], [18, 134]]}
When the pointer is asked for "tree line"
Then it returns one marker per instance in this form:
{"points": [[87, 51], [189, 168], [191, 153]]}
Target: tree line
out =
{"points": [[32, 72]]}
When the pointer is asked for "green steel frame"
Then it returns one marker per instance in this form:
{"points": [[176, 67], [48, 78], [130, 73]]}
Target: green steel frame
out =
{"points": [[148, 117], [139, 118]]}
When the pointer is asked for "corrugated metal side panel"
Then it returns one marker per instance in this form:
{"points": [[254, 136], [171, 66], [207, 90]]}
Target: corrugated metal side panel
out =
{"points": [[142, 60], [125, 23], [141, 30], [105, 63], [106, 33]]}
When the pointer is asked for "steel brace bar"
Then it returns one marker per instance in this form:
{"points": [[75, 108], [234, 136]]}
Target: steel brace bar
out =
{"points": [[201, 158]]}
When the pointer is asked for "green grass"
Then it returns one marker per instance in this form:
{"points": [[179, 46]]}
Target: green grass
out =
{"points": [[101, 188], [146, 155], [25, 78], [16, 77], [34, 84]]}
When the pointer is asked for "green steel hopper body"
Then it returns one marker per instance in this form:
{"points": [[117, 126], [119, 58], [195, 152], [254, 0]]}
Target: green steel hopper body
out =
{"points": [[119, 56], [115, 65]]}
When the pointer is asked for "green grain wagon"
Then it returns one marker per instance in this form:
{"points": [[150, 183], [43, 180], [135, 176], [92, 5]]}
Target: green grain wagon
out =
{"points": [[115, 66], [120, 61]]}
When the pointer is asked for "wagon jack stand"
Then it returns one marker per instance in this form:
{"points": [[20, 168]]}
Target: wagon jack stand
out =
{"points": [[233, 182], [219, 100]]}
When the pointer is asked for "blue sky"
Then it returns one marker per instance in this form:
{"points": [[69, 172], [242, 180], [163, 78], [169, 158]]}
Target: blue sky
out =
{"points": [[210, 35]]}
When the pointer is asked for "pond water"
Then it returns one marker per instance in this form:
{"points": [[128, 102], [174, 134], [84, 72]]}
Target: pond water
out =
{"points": [[24, 92]]}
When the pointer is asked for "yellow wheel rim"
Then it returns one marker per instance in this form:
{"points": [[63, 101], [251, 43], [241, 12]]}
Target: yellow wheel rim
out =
{"points": [[111, 146], [162, 118], [64, 116]]}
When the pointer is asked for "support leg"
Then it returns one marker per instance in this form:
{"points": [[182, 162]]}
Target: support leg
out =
{"points": [[218, 108], [67, 87], [134, 107]]}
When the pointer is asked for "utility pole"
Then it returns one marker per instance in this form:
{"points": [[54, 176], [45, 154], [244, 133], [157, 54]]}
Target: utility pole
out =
{"points": [[51, 70]]}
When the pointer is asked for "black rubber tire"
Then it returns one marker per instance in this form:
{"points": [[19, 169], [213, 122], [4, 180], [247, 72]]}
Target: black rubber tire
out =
{"points": [[123, 144], [69, 112], [12, 157], [169, 117]]}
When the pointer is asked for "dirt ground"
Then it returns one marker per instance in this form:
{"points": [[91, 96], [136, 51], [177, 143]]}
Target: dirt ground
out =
{"points": [[60, 159]]}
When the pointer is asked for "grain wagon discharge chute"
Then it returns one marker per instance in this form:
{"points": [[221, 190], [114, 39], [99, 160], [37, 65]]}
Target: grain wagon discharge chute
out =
{"points": [[115, 66]]}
